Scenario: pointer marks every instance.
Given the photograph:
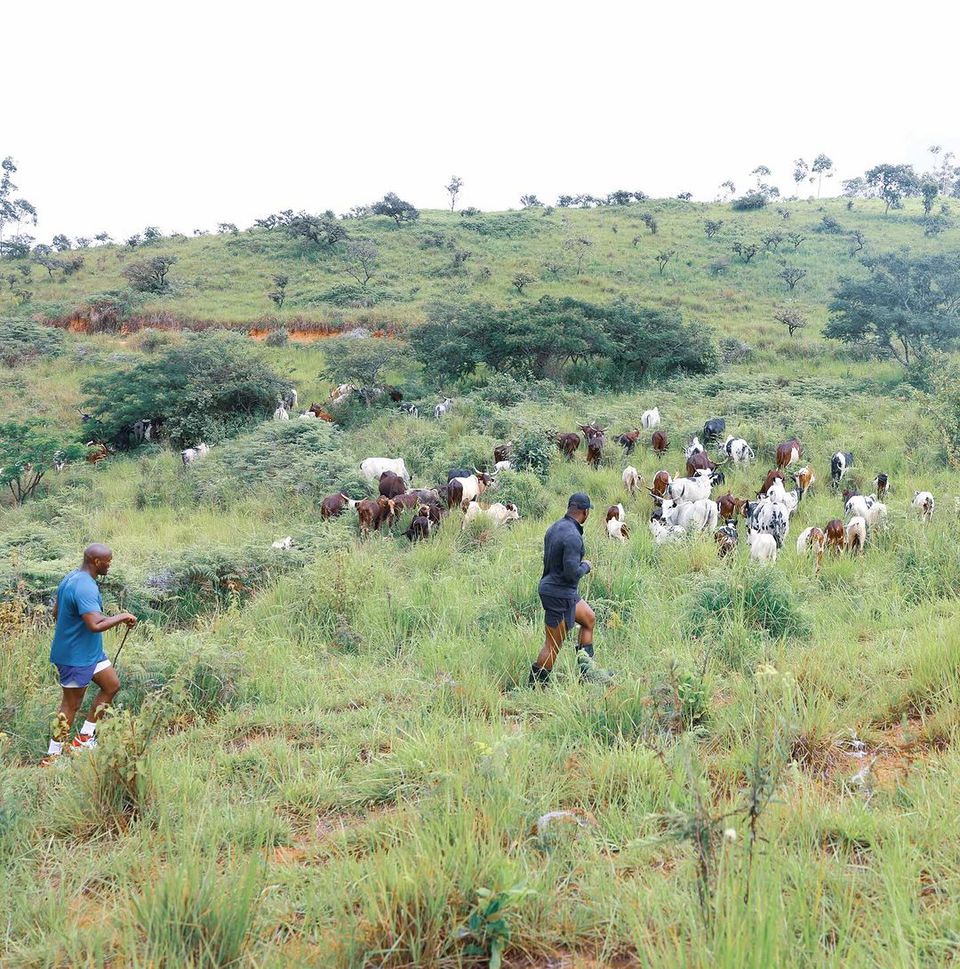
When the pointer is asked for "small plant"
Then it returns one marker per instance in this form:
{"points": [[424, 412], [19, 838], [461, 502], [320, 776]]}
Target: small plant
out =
{"points": [[712, 226], [791, 275], [745, 250], [650, 222], [279, 294], [663, 258], [791, 318], [521, 280], [488, 928], [277, 338]]}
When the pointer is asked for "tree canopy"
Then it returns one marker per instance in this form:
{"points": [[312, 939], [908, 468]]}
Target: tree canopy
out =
{"points": [[28, 450], [905, 306]]}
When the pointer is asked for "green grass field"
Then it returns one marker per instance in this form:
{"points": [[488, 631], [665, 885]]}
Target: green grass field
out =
{"points": [[328, 756]]}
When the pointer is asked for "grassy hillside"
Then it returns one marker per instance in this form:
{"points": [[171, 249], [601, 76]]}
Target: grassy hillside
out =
{"points": [[342, 766]]}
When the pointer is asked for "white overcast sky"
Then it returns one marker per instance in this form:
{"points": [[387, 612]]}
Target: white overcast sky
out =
{"points": [[185, 114]]}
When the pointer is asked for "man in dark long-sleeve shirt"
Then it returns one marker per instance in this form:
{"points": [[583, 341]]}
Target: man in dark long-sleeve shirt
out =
{"points": [[563, 568]]}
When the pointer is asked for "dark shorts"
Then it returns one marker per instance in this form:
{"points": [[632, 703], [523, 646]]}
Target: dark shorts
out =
{"points": [[559, 609], [77, 677]]}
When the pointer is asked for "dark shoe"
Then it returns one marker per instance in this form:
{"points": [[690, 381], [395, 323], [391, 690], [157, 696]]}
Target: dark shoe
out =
{"points": [[590, 672], [538, 676]]}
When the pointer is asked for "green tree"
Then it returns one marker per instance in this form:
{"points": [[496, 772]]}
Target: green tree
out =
{"points": [[822, 165], [393, 206], [149, 276], [204, 388], [801, 171], [323, 230], [28, 450], [929, 190], [453, 189], [892, 183], [361, 261], [13, 211], [905, 306], [279, 295], [363, 362]]}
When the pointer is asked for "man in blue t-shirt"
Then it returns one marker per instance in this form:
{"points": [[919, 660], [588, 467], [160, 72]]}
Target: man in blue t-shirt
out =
{"points": [[77, 650]]}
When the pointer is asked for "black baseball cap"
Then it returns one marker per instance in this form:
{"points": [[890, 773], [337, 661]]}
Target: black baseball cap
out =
{"points": [[580, 500]]}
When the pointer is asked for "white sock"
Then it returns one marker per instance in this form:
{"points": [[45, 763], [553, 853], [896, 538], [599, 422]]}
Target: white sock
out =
{"points": [[88, 728], [55, 748]]}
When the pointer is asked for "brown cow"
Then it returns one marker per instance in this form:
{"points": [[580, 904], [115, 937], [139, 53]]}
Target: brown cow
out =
{"points": [[101, 451], [421, 498], [568, 444], [420, 526], [374, 514], [334, 505], [595, 442], [660, 482], [803, 479], [391, 484], [769, 480], [730, 507], [836, 536], [502, 452], [628, 441], [320, 413], [659, 442], [699, 461], [789, 452]]}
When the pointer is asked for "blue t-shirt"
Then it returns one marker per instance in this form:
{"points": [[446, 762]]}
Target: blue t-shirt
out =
{"points": [[73, 643]]}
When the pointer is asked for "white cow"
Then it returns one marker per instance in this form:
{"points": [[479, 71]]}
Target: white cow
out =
{"points": [[664, 534], [691, 516], [502, 466], [372, 468], [283, 544], [191, 454], [924, 503], [876, 514], [860, 505], [738, 449], [650, 419], [856, 535], [694, 447], [340, 393], [472, 486], [307, 415], [281, 413], [632, 479], [443, 407], [763, 546], [499, 513], [690, 489]]}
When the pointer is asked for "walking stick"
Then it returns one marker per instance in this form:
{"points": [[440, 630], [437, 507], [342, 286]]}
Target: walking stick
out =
{"points": [[122, 641]]}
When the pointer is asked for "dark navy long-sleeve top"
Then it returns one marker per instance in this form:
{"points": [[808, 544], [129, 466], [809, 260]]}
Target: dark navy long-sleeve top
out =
{"points": [[563, 565]]}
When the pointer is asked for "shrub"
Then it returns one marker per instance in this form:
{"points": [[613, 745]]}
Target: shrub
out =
{"points": [[150, 340], [290, 458], [22, 341], [205, 387], [733, 350], [197, 917], [524, 489], [759, 599], [532, 451], [750, 201], [829, 225], [277, 338], [149, 276]]}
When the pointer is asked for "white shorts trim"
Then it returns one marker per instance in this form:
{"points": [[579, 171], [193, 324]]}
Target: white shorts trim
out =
{"points": [[99, 668]]}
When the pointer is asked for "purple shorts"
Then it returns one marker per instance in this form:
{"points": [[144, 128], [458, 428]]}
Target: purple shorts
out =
{"points": [[77, 677]]}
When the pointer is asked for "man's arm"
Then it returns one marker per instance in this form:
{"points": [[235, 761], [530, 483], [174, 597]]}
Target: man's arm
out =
{"points": [[574, 568], [97, 622]]}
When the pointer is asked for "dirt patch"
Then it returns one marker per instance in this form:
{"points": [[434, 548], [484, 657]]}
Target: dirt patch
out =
{"points": [[300, 736]]}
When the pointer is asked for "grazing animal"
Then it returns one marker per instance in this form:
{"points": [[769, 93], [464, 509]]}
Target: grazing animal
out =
{"points": [[694, 447], [789, 452], [788, 499], [290, 398], [840, 464], [283, 544], [420, 498], [100, 452], [468, 488], [804, 478], [924, 503], [616, 512], [568, 444], [714, 428], [421, 525], [628, 441], [333, 506], [769, 480], [502, 466], [763, 546], [391, 485], [692, 516], [876, 514], [812, 539], [411, 409], [694, 488], [341, 393], [664, 534], [726, 538], [661, 480], [191, 454], [58, 462], [769, 517], [443, 407], [632, 479], [617, 530], [503, 452], [281, 413], [859, 505], [856, 535], [307, 415], [395, 394], [458, 473], [699, 461], [320, 413], [881, 485], [595, 441], [738, 449], [659, 443], [372, 468], [836, 535], [499, 513], [729, 507], [650, 419], [374, 514]]}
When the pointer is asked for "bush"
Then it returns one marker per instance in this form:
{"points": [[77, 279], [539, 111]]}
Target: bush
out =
{"points": [[205, 387], [829, 225], [22, 341], [287, 458], [277, 338], [749, 202], [533, 451], [150, 340], [149, 276], [733, 351], [759, 599], [524, 489]]}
